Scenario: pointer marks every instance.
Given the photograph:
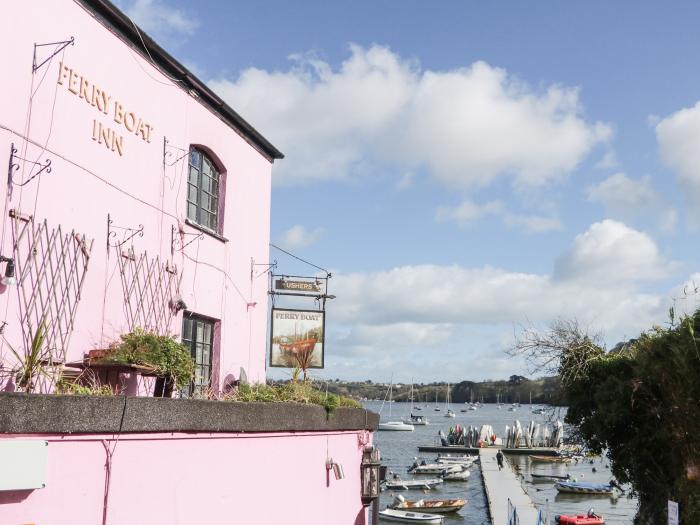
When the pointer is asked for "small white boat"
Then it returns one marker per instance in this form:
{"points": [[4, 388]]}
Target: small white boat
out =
{"points": [[450, 413], [408, 517], [461, 460], [393, 425], [396, 425], [456, 476], [408, 484], [432, 506], [436, 468], [417, 420]]}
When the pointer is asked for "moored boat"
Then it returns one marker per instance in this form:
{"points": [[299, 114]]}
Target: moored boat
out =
{"points": [[408, 484], [548, 477], [436, 468], [408, 517], [435, 506], [462, 475], [550, 459], [589, 519], [395, 425], [578, 487]]}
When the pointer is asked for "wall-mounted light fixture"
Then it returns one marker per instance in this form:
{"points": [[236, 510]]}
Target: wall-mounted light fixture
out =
{"points": [[371, 462], [9, 279], [337, 468]]}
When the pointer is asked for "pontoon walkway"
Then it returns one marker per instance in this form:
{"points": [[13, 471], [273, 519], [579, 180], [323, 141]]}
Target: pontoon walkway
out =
{"points": [[502, 485]]}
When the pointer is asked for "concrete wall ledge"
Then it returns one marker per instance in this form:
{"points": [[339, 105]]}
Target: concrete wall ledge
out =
{"points": [[54, 414]]}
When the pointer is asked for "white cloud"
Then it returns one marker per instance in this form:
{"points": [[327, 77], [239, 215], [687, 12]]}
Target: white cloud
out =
{"points": [[468, 212], [299, 237], [678, 136], [630, 199], [467, 126], [612, 252], [159, 19], [596, 280]]}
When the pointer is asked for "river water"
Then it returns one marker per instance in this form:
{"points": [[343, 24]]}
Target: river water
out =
{"points": [[400, 448]]}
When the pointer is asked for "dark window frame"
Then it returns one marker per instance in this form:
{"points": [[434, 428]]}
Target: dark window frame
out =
{"points": [[206, 191], [207, 368]]}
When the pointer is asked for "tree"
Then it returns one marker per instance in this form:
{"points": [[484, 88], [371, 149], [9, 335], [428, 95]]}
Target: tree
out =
{"points": [[639, 403]]}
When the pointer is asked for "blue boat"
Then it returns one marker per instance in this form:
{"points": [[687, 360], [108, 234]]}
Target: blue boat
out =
{"points": [[577, 487]]}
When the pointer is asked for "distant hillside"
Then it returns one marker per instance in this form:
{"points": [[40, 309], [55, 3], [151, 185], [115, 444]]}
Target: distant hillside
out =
{"points": [[512, 390]]}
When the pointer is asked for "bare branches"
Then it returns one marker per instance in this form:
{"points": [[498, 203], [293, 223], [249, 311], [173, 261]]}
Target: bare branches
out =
{"points": [[565, 348]]}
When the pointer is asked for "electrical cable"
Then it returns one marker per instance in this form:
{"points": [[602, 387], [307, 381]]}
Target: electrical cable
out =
{"points": [[328, 274]]}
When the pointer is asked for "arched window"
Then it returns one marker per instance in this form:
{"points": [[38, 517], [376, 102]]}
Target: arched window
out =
{"points": [[203, 191]]}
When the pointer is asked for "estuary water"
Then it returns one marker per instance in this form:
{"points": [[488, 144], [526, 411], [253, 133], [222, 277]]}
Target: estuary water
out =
{"points": [[400, 448]]}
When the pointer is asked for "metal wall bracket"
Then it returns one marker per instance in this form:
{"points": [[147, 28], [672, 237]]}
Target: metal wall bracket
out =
{"points": [[170, 151], [127, 233], [13, 165], [177, 239], [62, 45]]}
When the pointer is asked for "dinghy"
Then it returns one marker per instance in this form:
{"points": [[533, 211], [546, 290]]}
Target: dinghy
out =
{"points": [[408, 517], [589, 519], [434, 506], [436, 468], [456, 476], [550, 459], [548, 477], [574, 487], [400, 484]]}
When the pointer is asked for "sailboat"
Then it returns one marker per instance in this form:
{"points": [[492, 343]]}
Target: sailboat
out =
{"points": [[393, 425], [437, 408], [416, 419], [449, 412]]}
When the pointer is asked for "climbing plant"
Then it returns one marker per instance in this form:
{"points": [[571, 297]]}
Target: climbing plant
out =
{"points": [[640, 404]]}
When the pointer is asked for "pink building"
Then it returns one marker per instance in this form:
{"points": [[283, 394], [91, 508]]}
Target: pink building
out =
{"points": [[134, 138], [136, 197]]}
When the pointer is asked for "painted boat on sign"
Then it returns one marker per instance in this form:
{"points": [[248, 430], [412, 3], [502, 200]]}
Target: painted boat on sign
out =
{"points": [[408, 517], [435, 506]]}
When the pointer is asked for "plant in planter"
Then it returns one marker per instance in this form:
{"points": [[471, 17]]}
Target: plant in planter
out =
{"points": [[169, 360]]}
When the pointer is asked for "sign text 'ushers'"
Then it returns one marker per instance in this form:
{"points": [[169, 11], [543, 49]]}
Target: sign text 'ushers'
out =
{"points": [[102, 101]]}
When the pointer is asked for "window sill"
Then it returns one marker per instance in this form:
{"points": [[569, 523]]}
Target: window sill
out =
{"points": [[205, 230]]}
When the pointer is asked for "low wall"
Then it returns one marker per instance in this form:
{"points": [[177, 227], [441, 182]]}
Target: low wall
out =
{"points": [[186, 462]]}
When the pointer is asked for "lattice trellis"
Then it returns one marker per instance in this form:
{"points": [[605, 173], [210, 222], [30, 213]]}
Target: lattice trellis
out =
{"points": [[150, 288], [50, 268]]}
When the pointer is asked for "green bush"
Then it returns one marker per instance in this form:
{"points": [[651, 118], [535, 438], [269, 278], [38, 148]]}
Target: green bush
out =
{"points": [[292, 392], [163, 354]]}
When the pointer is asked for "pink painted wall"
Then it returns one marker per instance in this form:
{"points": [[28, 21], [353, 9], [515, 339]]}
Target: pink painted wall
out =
{"points": [[264, 479], [88, 181]]}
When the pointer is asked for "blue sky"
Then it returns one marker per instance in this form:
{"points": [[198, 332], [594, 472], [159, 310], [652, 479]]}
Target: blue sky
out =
{"points": [[466, 168]]}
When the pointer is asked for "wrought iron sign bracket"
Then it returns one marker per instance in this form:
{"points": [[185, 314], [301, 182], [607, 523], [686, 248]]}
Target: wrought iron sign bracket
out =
{"points": [[169, 153], [127, 233], [177, 241], [14, 164], [62, 45]]}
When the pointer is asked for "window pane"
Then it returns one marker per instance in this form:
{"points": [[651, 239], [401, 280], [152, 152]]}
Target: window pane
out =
{"points": [[207, 333], [191, 211], [208, 167], [187, 329], [192, 193], [194, 174], [195, 158]]}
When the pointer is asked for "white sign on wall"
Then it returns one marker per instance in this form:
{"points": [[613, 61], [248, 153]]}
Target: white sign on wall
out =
{"points": [[672, 513]]}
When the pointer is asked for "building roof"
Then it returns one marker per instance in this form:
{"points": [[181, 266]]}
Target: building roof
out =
{"points": [[106, 12]]}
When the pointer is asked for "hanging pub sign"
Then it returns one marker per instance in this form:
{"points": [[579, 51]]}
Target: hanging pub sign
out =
{"points": [[296, 338], [293, 285]]}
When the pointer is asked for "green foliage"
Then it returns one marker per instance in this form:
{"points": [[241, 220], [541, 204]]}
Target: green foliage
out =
{"points": [[163, 354], [32, 361], [641, 403], [291, 392], [76, 389]]}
